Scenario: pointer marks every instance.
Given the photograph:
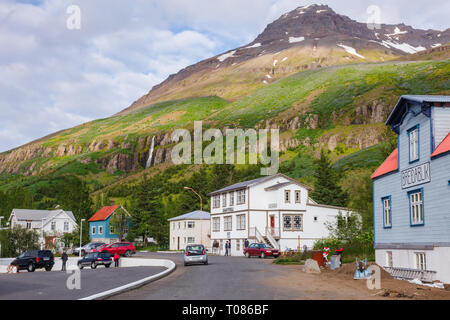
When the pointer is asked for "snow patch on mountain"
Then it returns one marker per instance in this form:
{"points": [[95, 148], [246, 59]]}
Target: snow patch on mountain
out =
{"points": [[295, 40], [351, 50], [225, 56], [404, 47], [436, 45], [256, 45]]}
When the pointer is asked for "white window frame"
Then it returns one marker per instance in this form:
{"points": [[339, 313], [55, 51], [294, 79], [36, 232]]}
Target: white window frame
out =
{"points": [[291, 218], [66, 225], [216, 201], [93, 230], [420, 260], [413, 144], [224, 200], [231, 199], [389, 259], [287, 196], [228, 223], [387, 212], [53, 226], [240, 197], [191, 224], [416, 207], [216, 224], [298, 196], [28, 225], [240, 222], [191, 240], [100, 229]]}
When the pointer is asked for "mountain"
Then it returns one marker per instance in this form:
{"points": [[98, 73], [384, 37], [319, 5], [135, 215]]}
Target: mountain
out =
{"points": [[306, 38], [332, 91]]}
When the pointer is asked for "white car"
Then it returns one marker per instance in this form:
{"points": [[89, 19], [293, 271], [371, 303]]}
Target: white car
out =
{"points": [[195, 254]]}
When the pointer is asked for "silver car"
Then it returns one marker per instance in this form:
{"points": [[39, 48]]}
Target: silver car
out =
{"points": [[195, 254]]}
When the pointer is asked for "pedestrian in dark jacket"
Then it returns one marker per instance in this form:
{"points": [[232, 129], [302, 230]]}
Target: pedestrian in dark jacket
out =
{"points": [[226, 248], [116, 260], [246, 243], [64, 258]]}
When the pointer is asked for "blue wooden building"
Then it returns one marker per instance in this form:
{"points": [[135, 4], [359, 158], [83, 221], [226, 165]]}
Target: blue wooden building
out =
{"points": [[100, 228], [412, 192]]}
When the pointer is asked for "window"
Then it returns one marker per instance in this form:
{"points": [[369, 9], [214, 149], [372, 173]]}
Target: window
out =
{"points": [[413, 144], [297, 196], [238, 245], [316, 219], [191, 224], [111, 229], [216, 202], [292, 222], [185, 224], [387, 212], [231, 199], [240, 222], [100, 230], [179, 225], [53, 225], [190, 240], [216, 224], [416, 207], [93, 230], [66, 225], [224, 200], [287, 196], [420, 261], [240, 197], [28, 225], [173, 225], [389, 261], [227, 223]]}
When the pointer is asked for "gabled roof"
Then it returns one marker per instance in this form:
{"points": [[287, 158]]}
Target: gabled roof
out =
{"points": [[400, 108], [443, 147], [38, 215], [194, 215], [245, 184], [389, 165], [104, 213]]}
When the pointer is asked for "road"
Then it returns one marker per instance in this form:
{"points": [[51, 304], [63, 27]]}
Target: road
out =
{"points": [[224, 278], [43, 285]]}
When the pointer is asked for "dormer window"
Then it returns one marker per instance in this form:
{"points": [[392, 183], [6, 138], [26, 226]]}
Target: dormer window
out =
{"points": [[216, 202], [224, 200], [297, 196], [287, 196], [413, 134]]}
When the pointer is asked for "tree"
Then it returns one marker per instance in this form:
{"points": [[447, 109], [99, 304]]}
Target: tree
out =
{"points": [[119, 223], [18, 240], [326, 188]]}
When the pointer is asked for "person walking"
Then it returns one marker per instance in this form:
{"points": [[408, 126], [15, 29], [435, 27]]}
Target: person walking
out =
{"points": [[116, 260], [226, 248], [64, 258], [246, 243]]}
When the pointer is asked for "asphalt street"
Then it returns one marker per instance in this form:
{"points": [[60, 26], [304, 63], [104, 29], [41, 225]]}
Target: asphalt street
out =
{"points": [[224, 278], [43, 285]]}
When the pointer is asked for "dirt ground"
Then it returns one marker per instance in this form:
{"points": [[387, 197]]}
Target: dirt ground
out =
{"points": [[339, 284]]}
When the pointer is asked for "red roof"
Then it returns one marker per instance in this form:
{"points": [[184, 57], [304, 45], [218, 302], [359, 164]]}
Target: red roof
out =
{"points": [[104, 213], [443, 147], [389, 165]]}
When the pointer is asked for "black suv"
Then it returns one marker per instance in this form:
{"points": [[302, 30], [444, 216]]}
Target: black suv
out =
{"points": [[35, 259]]}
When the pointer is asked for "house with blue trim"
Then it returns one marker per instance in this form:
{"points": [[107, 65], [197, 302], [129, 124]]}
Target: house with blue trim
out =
{"points": [[411, 192], [100, 227]]}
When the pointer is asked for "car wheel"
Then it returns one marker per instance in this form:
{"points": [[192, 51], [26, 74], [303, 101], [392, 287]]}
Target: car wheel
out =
{"points": [[206, 262], [107, 265], [263, 255], [93, 265], [48, 269], [185, 264], [128, 253], [31, 267], [80, 266], [247, 254]]}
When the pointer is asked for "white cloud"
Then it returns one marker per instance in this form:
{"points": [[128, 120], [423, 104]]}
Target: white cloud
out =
{"points": [[53, 78]]}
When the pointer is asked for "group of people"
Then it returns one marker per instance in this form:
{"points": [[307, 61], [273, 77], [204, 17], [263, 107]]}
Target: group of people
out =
{"points": [[228, 246]]}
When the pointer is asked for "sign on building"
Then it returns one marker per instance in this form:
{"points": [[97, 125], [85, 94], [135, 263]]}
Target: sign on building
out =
{"points": [[415, 176]]}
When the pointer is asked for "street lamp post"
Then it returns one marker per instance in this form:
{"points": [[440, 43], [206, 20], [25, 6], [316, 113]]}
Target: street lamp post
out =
{"points": [[42, 232], [201, 213], [81, 233], [1, 229]]}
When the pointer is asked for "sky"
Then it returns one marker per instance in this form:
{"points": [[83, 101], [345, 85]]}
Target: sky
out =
{"points": [[60, 67]]}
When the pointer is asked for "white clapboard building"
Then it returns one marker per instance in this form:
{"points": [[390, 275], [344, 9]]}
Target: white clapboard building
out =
{"points": [[275, 210]]}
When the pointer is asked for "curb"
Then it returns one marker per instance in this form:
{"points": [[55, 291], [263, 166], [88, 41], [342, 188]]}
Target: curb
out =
{"points": [[170, 265]]}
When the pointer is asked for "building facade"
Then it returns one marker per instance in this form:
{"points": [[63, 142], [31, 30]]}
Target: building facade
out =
{"points": [[50, 224], [412, 192], [100, 227], [275, 210], [190, 228]]}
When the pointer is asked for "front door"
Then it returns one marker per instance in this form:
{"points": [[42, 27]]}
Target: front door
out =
{"points": [[272, 224], [178, 243]]}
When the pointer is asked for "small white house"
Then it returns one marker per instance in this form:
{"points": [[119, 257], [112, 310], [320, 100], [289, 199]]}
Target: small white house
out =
{"points": [[52, 223], [190, 228], [275, 210]]}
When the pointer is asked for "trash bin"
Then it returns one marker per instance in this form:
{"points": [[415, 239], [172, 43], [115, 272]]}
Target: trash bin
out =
{"points": [[335, 261], [317, 255]]}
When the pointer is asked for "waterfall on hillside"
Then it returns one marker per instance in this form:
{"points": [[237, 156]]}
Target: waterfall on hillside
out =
{"points": [[150, 154]]}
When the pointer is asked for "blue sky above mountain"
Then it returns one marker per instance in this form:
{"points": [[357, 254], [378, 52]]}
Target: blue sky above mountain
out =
{"points": [[53, 78]]}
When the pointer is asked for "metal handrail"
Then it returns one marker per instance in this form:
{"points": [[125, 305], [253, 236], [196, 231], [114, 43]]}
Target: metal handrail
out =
{"points": [[272, 240]]}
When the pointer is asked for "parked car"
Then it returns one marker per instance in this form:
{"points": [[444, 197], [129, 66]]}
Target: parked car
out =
{"points": [[122, 248], [86, 248], [260, 250], [95, 259], [97, 249], [195, 254], [35, 259]]}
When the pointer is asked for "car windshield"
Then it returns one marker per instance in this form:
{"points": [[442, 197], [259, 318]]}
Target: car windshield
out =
{"points": [[194, 248], [90, 256], [263, 246]]}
